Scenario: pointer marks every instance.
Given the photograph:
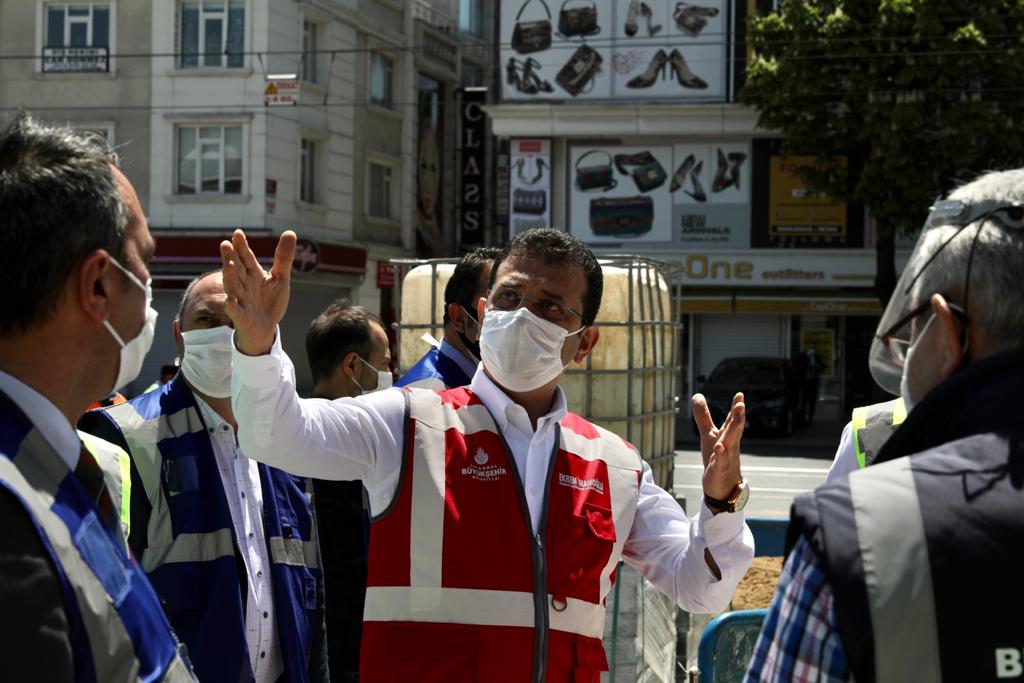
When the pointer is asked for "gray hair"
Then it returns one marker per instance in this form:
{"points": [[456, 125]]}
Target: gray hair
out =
{"points": [[59, 201], [187, 294], [996, 288]]}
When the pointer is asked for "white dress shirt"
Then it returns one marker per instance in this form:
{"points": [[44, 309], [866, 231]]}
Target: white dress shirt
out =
{"points": [[50, 422], [241, 479], [845, 460], [362, 438]]}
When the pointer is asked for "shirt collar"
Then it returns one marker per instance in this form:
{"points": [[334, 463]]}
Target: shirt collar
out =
{"points": [[50, 422], [498, 403], [465, 364], [211, 418]]}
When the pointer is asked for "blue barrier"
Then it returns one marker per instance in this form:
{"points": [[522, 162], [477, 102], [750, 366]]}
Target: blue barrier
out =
{"points": [[727, 645], [769, 535]]}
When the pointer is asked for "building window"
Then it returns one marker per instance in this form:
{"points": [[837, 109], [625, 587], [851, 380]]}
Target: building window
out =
{"points": [[380, 192], [212, 34], [471, 17], [77, 38], [308, 180], [209, 160], [310, 61], [382, 74]]}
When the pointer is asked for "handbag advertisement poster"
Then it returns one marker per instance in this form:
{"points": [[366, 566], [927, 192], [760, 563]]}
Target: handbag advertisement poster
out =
{"points": [[530, 185], [604, 49], [694, 195]]}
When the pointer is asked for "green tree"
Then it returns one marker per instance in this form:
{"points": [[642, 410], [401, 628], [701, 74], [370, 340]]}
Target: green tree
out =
{"points": [[921, 95]]}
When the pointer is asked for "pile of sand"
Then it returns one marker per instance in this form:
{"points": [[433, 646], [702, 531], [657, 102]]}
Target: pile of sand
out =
{"points": [[757, 587]]}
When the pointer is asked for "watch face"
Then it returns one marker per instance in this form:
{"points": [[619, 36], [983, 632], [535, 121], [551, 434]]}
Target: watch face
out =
{"points": [[741, 497]]}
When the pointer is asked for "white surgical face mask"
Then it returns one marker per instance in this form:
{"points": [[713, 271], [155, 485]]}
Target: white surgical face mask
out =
{"points": [[133, 353], [908, 401], [521, 350], [383, 379], [207, 361]]}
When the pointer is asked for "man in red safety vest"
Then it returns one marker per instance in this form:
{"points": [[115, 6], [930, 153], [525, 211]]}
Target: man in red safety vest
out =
{"points": [[499, 516]]}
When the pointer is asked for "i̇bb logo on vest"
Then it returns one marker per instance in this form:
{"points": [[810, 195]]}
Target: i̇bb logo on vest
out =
{"points": [[482, 469]]}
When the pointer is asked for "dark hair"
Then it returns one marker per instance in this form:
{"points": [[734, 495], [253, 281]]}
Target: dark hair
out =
{"points": [[461, 288], [59, 201], [341, 329], [554, 247], [187, 294]]}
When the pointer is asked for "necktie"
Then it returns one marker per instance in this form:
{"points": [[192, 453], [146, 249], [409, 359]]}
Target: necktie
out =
{"points": [[91, 476]]}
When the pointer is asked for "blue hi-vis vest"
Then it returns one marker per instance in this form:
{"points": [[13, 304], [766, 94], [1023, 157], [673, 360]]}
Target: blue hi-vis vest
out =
{"points": [[118, 630], [437, 366], [191, 550]]}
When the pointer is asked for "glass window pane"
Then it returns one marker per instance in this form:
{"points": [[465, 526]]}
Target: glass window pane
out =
{"points": [[236, 34], [233, 159], [210, 132], [186, 160], [190, 34], [214, 29], [78, 11], [100, 26], [210, 168], [55, 27], [78, 34]]}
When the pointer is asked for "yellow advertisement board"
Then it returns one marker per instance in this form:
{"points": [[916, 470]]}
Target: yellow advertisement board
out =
{"points": [[794, 210]]}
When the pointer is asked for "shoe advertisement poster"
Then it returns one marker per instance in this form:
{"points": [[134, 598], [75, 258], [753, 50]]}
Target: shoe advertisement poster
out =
{"points": [[710, 187], [620, 193], [530, 185], [604, 49]]}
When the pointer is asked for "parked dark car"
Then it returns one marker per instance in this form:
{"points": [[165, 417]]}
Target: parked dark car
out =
{"points": [[771, 389]]}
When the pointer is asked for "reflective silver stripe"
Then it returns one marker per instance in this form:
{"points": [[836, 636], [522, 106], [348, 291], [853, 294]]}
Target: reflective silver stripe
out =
{"points": [[477, 607], [177, 671], [112, 651], [293, 551], [190, 548], [897, 572], [426, 532]]}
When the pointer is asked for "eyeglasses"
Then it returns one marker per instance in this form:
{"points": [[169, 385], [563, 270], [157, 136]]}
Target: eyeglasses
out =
{"points": [[505, 299], [899, 345]]}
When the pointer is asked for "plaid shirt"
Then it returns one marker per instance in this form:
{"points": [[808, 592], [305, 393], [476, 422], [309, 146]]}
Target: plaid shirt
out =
{"points": [[800, 639]]}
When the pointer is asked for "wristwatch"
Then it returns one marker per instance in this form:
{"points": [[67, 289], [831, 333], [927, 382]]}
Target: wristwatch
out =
{"points": [[736, 501]]}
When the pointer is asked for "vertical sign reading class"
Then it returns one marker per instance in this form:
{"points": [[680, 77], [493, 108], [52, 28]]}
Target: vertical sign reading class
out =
{"points": [[471, 166]]}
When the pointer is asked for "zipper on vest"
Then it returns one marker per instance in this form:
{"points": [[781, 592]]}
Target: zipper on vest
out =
{"points": [[540, 577]]}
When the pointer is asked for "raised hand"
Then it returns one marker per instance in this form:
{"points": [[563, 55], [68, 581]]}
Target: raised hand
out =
{"points": [[720, 446], [257, 299]]}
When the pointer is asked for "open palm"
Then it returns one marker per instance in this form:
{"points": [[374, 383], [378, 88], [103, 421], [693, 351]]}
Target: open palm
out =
{"points": [[720, 446], [257, 300]]}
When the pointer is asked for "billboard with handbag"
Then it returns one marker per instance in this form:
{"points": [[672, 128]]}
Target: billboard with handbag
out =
{"points": [[529, 184], [616, 49]]}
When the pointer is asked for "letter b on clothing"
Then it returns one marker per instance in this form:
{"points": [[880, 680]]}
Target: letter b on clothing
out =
{"points": [[1008, 662]]}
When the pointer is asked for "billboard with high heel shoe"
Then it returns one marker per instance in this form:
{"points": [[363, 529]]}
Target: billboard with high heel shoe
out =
{"points": [[686, 194], [652, 50]]}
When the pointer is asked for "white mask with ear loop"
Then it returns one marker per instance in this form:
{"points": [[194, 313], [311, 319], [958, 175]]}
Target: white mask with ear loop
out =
{"points": [[904, 382], [521, 350], [384, 379], [207, 360], [133, 353]]}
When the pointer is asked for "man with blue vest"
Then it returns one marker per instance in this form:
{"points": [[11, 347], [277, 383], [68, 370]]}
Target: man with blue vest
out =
{"points": [[906, 570], [453, 362], [75, 325], [499, 517], [229, 544]]}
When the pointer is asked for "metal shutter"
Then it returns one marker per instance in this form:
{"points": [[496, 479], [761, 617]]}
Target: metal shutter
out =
{"points": [[726, 336]]}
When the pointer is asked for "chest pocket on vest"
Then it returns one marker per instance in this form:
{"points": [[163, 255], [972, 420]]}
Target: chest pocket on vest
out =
{"points": [[180, 482], [582, 547]]}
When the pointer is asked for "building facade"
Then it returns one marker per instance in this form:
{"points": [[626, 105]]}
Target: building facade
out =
{"points": [[623, 127]]}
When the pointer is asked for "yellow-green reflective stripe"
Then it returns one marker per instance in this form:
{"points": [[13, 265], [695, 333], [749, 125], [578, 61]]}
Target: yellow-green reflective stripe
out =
{"points": [[126, 492], [859, 419], [899, 411], [293, 551]]}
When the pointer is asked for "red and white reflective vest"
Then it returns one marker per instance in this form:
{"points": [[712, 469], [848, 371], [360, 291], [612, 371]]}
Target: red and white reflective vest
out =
{"points": [[459, 587]]}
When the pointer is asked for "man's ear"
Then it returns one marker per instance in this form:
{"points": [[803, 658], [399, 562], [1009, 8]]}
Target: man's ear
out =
{"points": [[951, 332], [588, 340], [97, 283], [350, 364], [458, 317], [480, 310], [179, 342]]}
